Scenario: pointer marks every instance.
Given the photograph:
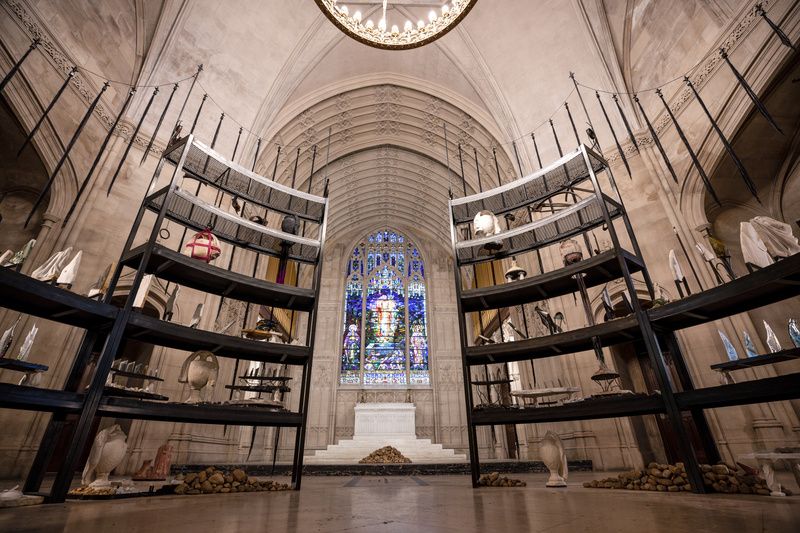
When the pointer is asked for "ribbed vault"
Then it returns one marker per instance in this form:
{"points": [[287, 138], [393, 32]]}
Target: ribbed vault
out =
{"points": [[387, 163]]}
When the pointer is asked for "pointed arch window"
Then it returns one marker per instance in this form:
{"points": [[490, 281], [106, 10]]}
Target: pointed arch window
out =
{"points": [[385, 334]]}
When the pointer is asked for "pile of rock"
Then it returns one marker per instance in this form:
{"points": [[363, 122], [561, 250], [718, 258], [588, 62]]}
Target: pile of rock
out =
{"points": [[496, 480], [387, 454], [673, 478], [92, 491], [211, 481]]}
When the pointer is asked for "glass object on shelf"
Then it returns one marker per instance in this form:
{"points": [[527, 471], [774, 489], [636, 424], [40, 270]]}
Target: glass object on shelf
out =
{"points": [[772, 340], [8, 338], [485, 224], [571, 252], [794, 332], [515, 272], [203, 246], [98, 290], [749, 347], [68, 274], [18, 258], [25, 349], [729, 349], [50, 269]]}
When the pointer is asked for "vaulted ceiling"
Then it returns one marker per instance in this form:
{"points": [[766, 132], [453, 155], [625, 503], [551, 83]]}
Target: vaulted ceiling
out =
{"points": [[281, 71]]}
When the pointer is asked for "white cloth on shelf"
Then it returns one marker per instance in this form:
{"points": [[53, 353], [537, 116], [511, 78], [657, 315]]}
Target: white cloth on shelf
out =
{"points": [[777, 236], [754, 251]]}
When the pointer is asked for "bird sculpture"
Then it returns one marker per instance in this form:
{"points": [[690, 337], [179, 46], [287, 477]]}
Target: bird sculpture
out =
{"points": [[107, 453], [555, 459]]}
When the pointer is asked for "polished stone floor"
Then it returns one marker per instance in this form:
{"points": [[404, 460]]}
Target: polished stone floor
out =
{"points": [[419, 505]]}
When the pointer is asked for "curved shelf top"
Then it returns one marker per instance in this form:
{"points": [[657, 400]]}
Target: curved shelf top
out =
{"points": [[561, 174], [211, 167], [579, 217]]}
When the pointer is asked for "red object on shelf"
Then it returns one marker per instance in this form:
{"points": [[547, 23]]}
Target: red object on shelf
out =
{"points": [[204, 246]]}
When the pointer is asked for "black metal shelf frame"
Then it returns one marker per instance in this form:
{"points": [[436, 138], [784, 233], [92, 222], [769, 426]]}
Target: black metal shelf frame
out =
{"points": [[111, 324], [592, 211]]}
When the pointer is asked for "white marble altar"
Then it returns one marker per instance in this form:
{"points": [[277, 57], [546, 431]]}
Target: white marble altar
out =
{"points": [[385, 424]]}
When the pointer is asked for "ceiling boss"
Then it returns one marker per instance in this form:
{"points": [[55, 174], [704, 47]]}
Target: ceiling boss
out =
{"points": [[388, 34]]}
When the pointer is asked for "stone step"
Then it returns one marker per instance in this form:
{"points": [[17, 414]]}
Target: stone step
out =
{"points": [[350, 451]]}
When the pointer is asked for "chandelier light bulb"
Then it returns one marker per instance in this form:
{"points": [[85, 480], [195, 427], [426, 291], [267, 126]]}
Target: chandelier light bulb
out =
{"points": [[407, 33]]}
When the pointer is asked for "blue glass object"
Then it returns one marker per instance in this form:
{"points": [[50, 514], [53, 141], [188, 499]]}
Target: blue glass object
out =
{"points": [[729, 349], [794, 332], [749, 347]]}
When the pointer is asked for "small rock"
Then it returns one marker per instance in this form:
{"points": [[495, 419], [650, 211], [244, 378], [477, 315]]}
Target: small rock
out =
{"points": [[206, 487], [673, 488], [202, 476], [720, 470], [239, 475], [189, 479], [182, 488], [216, 479]]}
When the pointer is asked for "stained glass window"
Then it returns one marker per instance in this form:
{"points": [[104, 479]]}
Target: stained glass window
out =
{"points": [[385, 335]]}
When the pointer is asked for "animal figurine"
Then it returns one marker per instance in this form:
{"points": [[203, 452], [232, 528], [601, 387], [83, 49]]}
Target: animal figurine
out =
{"points": [[108, 451], [555, 459]]}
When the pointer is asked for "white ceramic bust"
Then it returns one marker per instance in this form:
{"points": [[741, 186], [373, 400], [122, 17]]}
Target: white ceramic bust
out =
{"points": [[200, 369]]}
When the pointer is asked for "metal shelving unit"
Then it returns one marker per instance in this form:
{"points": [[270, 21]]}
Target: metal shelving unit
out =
{"points": [[188, 157], [651, 329]]}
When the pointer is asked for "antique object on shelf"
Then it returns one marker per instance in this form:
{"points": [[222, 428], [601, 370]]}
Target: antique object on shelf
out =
{"points": [[51, 268], [142, 292], [199, 369], [546, 392], [27, 344], [708, 257], [6, 256], [554, 457], [157, 469], [108, 451], [608, 308], [8, 338], [169, 308], [607, 379], [754, 251], [749, 347], [196, 316], [264, 330], [730, 351], [204, 246], [515, 272], [794, 332], [289, 224], [547, 320], [18, 258], [571, 252], [100, 287], [67, 276], [485, 224], [777, 236], [773, 343], [677, 275]]}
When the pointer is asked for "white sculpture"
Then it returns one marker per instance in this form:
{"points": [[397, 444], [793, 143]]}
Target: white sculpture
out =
{"points": [[486, 224], [98, 290], [25, 349], [51, 268], [11, 494], [773, 343], [754, 251], [107, 453], [6, 257], [69, 272], [555, 459], [199, 369], [777, 236]]}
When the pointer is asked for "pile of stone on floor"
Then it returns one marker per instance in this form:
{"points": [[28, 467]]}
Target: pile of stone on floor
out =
{"points": [[496, 480], [211, 481], [673, 478], [387, 454], [93, 491]]}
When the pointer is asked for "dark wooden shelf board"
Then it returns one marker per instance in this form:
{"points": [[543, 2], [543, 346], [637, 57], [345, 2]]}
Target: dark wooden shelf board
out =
{"points": [[21, 366], [33, 297], [599, 269], [174, 266], [38, 399], [772, 389], [198, 414], [134, 375], [154, 331], [579, 340], [763, 287], [122, 393], [612, 407], [765, 359]]}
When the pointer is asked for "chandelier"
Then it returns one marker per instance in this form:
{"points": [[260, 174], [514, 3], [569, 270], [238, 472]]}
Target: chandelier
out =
{"points": [[388, 36]]}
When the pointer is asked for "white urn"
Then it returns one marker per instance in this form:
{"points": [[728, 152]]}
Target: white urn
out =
{"points": [[555, 459], [199, 369], [108, 451]]}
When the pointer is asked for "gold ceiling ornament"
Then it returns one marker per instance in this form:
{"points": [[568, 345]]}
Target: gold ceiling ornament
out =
{"points": [[382, 34]]}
